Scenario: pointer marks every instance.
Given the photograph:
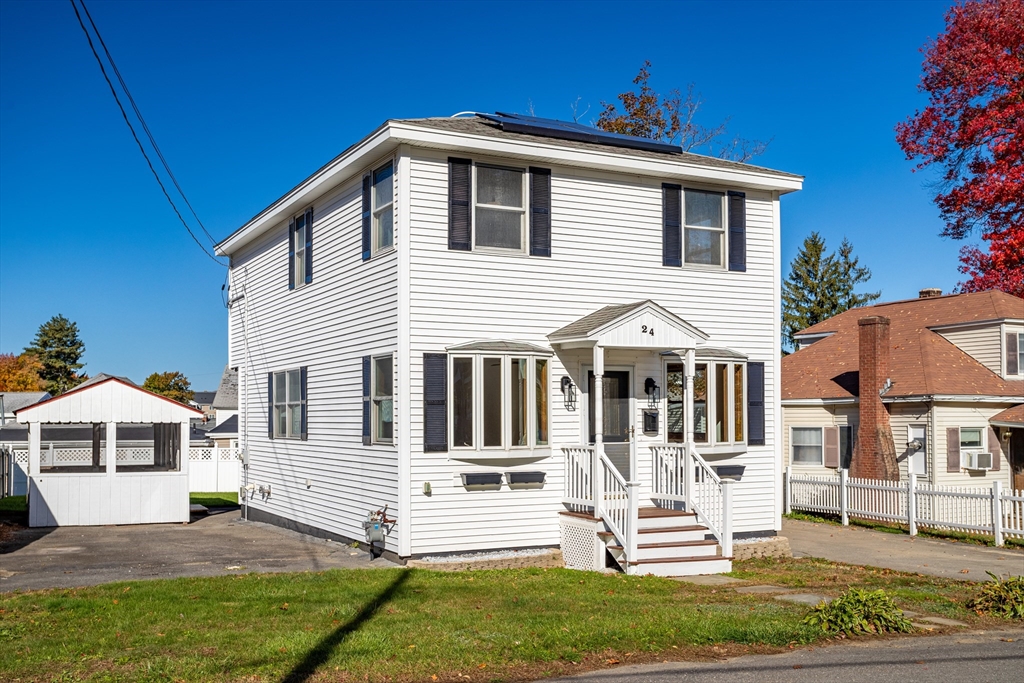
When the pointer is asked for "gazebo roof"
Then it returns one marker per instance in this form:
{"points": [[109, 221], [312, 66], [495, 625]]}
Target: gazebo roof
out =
{"points": [[111, 400]]}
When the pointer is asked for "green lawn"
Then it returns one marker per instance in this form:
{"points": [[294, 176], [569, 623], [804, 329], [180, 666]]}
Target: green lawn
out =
{"points": [[214, 500], [413, 625], [14, 503]]}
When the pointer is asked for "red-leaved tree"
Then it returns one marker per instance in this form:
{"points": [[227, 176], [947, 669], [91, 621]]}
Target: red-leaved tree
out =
{"points": [[973, 129]]}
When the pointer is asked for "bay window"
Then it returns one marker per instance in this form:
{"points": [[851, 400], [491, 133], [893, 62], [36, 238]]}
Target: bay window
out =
{"points": [[719, 403], [499, 402]]}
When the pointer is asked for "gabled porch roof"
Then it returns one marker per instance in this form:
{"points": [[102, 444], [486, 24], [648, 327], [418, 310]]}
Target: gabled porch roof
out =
{"points": [[639, 325]]}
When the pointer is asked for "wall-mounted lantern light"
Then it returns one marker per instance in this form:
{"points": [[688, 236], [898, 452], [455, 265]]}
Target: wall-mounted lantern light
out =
{"points": [[653, 392], [568, 393]]}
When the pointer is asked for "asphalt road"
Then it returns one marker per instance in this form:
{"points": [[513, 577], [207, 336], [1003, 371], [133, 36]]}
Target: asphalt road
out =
{"points": [[976, 657]]}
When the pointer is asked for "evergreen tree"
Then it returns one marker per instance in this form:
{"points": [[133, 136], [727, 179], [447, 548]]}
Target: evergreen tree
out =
{"points": [[173, 385], [58, 350], [820, 286]]}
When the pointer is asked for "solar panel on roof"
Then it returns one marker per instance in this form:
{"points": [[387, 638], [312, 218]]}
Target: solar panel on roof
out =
{"points": [[567, 130]]}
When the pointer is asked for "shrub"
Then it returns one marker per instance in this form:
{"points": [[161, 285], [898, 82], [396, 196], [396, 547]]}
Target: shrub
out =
{"points": [[1000, 598], [860, 611]]}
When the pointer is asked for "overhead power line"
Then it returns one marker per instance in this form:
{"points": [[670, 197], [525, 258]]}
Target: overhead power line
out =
{"points": [[124, 114]]}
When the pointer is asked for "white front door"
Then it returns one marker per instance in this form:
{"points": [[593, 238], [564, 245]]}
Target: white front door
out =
{"points": [[917, 461], [617, 417]]}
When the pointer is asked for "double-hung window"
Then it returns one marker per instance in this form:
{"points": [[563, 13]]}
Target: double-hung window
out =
{"points": [[499, 213], [289, 404], [499, 402], [383, 207], [703, 228], [806, 445], [383, 400]]}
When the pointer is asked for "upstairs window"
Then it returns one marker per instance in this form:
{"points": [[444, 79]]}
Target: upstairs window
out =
{"points": [[300, 250], [499, 214], [704, 227], [383, 208]]}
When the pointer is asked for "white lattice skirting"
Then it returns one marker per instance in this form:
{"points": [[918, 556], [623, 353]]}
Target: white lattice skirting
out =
{"points": [[582, 548]]}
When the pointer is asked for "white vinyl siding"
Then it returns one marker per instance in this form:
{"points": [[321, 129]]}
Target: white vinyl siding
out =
{"points": [[351, 313], [591, 266]]}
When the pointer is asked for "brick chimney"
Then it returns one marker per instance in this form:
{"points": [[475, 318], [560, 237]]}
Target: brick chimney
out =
{"points": [[929, 293], [875, 454]]}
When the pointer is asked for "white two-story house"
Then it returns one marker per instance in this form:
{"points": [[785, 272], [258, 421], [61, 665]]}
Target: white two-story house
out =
{"points": [[425, 321]]}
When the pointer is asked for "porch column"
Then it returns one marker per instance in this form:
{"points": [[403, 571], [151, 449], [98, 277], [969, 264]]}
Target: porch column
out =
{"points": [[598, 399], [111, 448], [597, 476], [688, 395], [34, 447]]}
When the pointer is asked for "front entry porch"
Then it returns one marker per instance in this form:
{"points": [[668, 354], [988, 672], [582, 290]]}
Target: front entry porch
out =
{"points": [[657, 509]]}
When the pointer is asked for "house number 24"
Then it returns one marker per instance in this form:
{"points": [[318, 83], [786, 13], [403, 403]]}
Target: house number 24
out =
{"points": [[644, 329]]}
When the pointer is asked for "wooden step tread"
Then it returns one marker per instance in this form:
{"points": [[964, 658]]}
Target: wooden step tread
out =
{"points": [[666, 560], [663, 512], [580, 515], [671, 529], [680, 544]]}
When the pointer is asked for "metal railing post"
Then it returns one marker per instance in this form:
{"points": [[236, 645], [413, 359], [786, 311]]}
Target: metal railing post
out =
{"points": [[912, 504], [997, 512], [844, 497], [727, 486]]}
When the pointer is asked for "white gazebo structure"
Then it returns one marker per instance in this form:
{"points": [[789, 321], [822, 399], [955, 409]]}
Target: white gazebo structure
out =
{"points": [[118, 485]]}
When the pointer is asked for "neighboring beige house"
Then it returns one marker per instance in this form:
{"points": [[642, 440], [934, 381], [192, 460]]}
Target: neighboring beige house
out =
{"points": [[949, 371]]}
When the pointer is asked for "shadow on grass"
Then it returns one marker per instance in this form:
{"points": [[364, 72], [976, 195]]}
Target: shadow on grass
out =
{"points": [[319, 655]]}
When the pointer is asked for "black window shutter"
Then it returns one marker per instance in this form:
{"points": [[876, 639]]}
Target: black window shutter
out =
{"points": [[366, 401], [540, 211], [459, 192], [291, 254], [738, 231], [270, 405], [302, 396], [755, 404], [671, 225], [309, 245], [367, 210], [1012, 354], [435, 402]]}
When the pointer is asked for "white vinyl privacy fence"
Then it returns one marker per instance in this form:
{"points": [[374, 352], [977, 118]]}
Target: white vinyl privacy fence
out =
{"points": [[210, 469], [989, 510]]}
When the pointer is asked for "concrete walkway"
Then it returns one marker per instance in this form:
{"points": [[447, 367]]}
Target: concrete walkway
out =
{"points": [[65, 557], [856, 545]]}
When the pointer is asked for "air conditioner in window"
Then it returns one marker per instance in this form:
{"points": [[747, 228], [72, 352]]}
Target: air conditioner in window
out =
{"points": [[976, 460]]}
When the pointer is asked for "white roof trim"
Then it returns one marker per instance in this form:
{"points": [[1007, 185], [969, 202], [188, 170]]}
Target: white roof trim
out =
{"points": [[108, 401], [393, 133]]}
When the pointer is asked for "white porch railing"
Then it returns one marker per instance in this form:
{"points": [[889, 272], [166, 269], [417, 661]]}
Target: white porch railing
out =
{"points": [[209, 469], [592, 482], [681, 475], [990, 510]]}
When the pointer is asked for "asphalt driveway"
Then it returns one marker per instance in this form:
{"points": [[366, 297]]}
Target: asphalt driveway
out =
{"points": [[937, 557], [65, 557]]}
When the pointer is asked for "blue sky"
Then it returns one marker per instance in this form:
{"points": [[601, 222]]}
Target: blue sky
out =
{"points": [[247, 99]]}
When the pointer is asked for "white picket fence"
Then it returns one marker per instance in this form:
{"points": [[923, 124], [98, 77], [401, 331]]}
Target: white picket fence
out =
{"points": [[210, 469], [992, 510]]}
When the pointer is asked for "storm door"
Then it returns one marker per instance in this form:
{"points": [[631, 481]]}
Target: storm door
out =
{"points": [[617, 418]]}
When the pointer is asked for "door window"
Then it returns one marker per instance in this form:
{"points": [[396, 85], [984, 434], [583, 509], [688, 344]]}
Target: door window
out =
{"points": [[615, 419]]}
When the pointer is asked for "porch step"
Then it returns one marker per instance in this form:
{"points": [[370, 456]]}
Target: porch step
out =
{"points": [[660, 518], [683, 550], [669, 566], [672, 534]]}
